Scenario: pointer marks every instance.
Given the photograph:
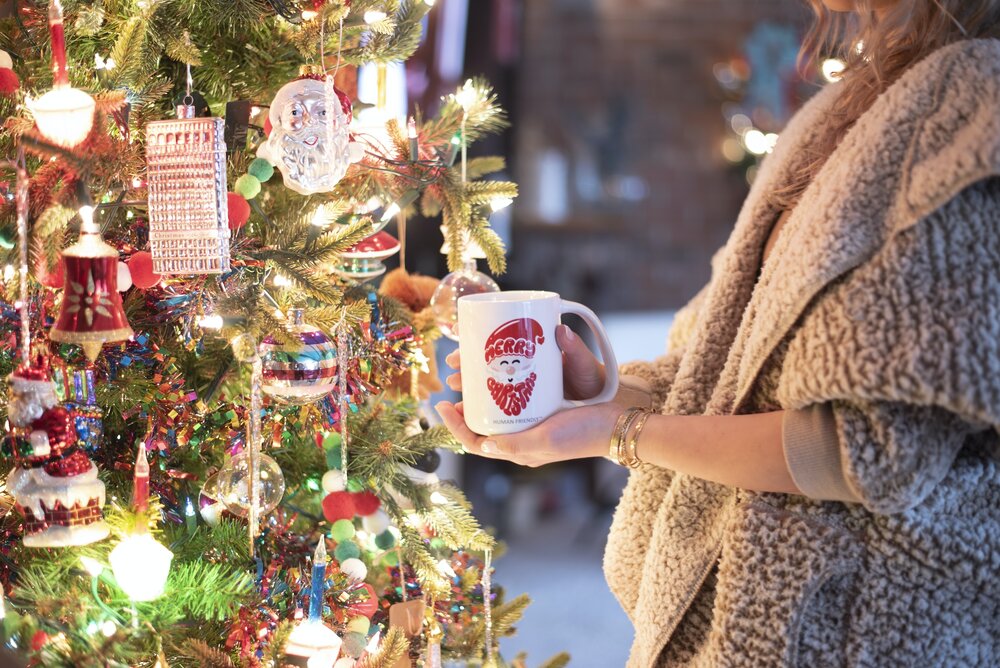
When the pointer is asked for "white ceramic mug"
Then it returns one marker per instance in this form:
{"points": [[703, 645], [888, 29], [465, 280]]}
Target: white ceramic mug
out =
{"points": [[511, 364]]}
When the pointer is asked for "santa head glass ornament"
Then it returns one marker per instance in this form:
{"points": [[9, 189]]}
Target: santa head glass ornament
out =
{"points": [[91, 313], [188, 204], [54, 484], [310, 141]]}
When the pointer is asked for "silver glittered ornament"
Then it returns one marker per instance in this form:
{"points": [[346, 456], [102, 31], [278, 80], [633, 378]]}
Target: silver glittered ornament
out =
{"points": [[310, 141]]}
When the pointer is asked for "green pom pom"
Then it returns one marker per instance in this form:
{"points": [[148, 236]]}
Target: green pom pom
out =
{"points": [[342, 530], [347, 550], [261, 169], [355, 643], [437, 544], [385, 540], [354, 486], [248, 186], [391, 559]]}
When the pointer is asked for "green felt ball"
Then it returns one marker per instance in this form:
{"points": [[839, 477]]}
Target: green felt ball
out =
{"points": [[342, 530], [354, 486], [391, 559], [355, 643], [261, 169], [385, 540], [248, 186], [348, 549]]}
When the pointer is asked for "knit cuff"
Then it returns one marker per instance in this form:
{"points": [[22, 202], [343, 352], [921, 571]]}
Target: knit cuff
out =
{"points": [[812, 452]]}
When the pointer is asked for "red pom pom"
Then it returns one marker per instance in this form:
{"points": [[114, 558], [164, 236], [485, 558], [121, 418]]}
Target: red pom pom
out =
{"points": [[338, 506], [366, 503], [141, 267], [239, 210], [366, 607], [9, 83], [50, 279], [267, 127], [39, 639]]}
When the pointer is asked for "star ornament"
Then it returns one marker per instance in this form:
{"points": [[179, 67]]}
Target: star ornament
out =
{"points": [[89, 299]]}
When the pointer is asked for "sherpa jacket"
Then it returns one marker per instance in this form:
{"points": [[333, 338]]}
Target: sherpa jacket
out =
{"points": [[883, 294]]}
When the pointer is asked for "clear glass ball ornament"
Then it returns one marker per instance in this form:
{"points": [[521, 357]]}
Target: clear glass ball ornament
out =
{"points": [[234, 484], [444, 304]]}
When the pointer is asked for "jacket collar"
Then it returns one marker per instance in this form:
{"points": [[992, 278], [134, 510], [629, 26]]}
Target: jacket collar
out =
{"points": [[931, 134]]}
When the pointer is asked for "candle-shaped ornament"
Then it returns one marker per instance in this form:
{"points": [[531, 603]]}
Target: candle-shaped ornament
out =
{"points": [[140, 481], [64, 115], [411, 133], [320, 560], [312, 644]]}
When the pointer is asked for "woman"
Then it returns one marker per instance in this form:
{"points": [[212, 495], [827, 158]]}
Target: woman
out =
{"points": [[819, 485]]}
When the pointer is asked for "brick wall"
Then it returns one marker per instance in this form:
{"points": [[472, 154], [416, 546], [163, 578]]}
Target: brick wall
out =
{"points": [[617, 99]]}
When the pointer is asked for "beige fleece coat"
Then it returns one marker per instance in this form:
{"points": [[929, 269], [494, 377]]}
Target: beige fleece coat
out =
{"points": [[885, 286]]}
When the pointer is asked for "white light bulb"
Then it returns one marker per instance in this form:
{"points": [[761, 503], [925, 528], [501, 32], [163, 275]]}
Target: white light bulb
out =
{"points": [[438, 498], [64, 115], [8, 272], [375, 16], [832, 69], [281, 281], [210, 322], [108, 628], [141, 566], [309, 14], [467, 96], [498, 203], [92, 566]]}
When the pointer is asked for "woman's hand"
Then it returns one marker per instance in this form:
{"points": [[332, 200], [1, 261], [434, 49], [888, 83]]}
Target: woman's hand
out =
{"points": [[583, 374], [569, 434]]}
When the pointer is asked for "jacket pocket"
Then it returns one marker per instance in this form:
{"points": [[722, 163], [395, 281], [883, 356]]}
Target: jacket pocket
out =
{"points": [[785, 588]]}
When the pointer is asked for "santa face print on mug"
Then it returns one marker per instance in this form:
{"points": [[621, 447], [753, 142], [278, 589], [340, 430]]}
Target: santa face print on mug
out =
{"points": [[511, 363], [510, 360]]}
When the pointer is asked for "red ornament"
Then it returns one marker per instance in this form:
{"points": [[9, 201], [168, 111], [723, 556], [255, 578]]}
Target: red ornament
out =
{"points": [[239, 210], [366, 607], [9, 83], [366, 503], [141, 267], [92, 312], [338, 506], [39, 639]]}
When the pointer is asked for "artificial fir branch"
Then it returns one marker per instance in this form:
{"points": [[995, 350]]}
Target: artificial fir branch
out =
{"points": [[394, 645]]}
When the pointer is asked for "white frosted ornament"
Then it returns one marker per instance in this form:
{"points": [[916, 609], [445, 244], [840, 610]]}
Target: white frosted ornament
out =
{"points": [[310, 141], [334, 480], [354, 568]]}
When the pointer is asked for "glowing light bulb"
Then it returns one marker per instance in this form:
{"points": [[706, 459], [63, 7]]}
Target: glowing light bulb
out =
{"points": [[498, 203], [281, 281], [468, 96], [375, 16], [141, 566], [8, 272], [309, 14], [210, 321], [65, 115], [92, 566], [832, 68]]}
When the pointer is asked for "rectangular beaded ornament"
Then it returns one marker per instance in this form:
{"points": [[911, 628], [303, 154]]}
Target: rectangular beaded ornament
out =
{"points": [[186, 176]]}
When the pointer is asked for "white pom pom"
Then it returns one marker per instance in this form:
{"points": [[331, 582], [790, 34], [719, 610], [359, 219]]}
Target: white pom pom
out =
{"points": [[5, 60], [376, 523], [354, 569], [124, 277], [334, 480]]}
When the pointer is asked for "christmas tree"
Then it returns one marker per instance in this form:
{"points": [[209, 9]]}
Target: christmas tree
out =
{"points": [[216, 449]]}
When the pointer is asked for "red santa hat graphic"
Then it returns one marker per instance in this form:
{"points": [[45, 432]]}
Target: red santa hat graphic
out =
{"points": [[517, 338]]}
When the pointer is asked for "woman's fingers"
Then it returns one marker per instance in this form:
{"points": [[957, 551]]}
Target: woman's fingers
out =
{"points": [[583, 375], [494, 447], [454, 381], [454, 360]]}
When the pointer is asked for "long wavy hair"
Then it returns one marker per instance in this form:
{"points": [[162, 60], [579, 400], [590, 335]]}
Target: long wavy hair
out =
{"points": [[877, 47]]}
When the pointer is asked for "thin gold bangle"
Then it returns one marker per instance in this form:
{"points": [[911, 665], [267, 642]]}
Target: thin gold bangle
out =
{"points": [[633, 443], [622, 426]]}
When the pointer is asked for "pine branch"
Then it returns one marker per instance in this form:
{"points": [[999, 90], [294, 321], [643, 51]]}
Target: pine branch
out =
{"points": [[394, 646]]}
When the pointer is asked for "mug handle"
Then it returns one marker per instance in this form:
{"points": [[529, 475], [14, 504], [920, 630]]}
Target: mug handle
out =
{"points": [[607, 354]]}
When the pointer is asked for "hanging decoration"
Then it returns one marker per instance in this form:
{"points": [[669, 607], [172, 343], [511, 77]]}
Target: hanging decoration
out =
{"points": [[188, 203], [301, 367], [363, 261], [466, 281], [64, 115], [77, 391], [91, 313], [312, 642], [54, 484], [9, 83], [408, 616], [310, 141]]}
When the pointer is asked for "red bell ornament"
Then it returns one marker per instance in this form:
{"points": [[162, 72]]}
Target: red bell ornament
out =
{"points": [[91, 313]]}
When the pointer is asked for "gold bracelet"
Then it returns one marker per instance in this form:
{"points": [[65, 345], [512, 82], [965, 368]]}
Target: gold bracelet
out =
{"points": [[622, 426], [631, 451]]}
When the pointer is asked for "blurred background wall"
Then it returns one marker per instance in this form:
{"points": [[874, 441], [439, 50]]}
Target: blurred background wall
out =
{"points": [[637, 126]]}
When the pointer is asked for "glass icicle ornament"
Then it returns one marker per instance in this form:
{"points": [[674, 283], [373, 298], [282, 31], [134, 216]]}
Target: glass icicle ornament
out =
{"points": [[188, 203], [300, 368]]}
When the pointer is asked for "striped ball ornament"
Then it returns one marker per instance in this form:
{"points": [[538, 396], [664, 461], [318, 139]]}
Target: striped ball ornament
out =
{"points": [[299, 368]]}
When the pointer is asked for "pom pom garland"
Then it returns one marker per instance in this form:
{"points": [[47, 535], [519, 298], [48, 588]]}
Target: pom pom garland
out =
{"points": [[261, 169], [342, 530], [366, 503], [239, 210], [140, 265], [385, 540], [347, 550], [338, 506], [248, 186], [9, 83]]}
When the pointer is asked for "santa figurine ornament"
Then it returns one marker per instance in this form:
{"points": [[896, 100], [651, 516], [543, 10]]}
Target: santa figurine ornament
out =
{"points": [[54, 484], [310, 140]]}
